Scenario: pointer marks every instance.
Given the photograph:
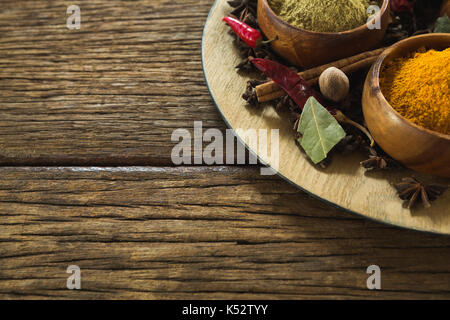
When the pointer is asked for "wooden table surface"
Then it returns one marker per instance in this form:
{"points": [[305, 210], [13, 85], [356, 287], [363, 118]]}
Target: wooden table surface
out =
{"points": [[86, 176]]}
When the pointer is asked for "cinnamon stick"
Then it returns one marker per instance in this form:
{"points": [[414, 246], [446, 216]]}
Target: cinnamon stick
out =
{"points": [[270, 90]]}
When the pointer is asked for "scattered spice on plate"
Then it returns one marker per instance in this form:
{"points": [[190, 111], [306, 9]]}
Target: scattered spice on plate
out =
{"points": [[378, 162], [418, 87]]}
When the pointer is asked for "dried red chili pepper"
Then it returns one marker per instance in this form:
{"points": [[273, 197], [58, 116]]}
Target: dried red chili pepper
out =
{"points": [[400, 6], [300, 90], [249, 35], [294, 85]]}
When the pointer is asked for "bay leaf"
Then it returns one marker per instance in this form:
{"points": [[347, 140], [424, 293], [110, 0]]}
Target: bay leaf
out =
{"points": [[442, 25], [319, 129]]}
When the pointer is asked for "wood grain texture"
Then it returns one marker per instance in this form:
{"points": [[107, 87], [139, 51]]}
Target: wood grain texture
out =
{"points": [[345, 182], [223, 232], [112, 93], [109, 93]]}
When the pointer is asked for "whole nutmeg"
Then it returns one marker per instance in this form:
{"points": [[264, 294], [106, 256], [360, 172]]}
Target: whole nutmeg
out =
{"points": [[334, 84]]}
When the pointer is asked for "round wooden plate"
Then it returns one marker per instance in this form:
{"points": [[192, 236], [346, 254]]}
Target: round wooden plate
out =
{"points": [[344, 184]]}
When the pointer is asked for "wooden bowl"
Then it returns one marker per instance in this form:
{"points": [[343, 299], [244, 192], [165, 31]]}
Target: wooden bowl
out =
{"points": [[418, 148], [305, 48]]}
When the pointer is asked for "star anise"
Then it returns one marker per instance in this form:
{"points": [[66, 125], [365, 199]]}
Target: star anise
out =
{"points": [[412, 190], [377, 162], [351, 143]]}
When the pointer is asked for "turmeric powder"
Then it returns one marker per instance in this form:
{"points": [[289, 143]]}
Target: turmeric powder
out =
{"points": [[418, 88]]}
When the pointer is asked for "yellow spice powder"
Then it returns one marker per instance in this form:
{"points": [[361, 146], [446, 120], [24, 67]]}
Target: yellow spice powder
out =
{"points": [[418, 88]]}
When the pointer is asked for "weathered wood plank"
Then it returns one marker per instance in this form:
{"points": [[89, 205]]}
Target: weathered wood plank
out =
{"points": [[222, 232], [110, 93]]}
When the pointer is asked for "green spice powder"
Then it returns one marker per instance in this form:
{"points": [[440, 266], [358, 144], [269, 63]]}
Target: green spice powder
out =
{"points": [[323, 15]]}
